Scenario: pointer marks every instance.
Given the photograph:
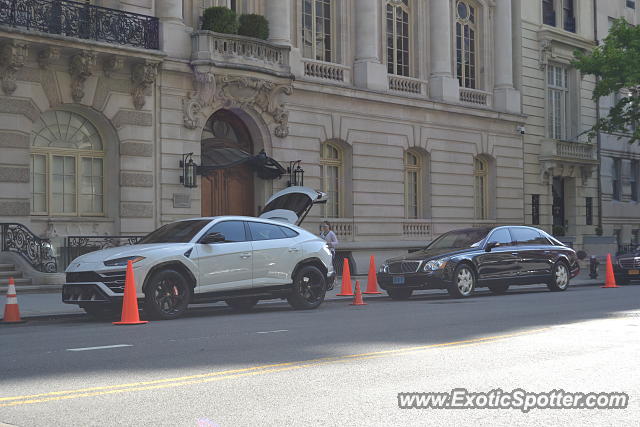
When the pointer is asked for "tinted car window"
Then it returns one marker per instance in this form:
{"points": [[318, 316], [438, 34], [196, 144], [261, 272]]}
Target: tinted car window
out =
{"points": [[460, 239], [289, 232], [527, 236], [233, 231], [501, 236], [176, 232], [262, 231]]}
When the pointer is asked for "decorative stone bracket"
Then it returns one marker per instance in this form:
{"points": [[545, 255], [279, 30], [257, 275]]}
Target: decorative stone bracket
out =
{"points": [[12, 56], [143, 75], [81, 67], [551, 168], [228, 91], [112, 64], [48, 56]]}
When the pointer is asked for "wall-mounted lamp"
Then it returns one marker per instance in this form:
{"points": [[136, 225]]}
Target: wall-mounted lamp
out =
{"points": [[296, 174], [189, 171]]}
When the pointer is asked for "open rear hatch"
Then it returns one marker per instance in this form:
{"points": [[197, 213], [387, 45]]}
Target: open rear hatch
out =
{"points": [[292, 204]]}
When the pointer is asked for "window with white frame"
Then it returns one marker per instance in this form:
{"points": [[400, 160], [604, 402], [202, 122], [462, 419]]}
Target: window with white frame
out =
{"points": [[331, 177], [67, 159], [412, 185], [316, 30], [481, 188], [558, 105], [559, 13], [398, 37], [466, 44]]}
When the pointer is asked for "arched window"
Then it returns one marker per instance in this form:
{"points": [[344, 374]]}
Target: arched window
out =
{"points": [[398, 37], [412, 185], [331, 176], [481, 188], [466, 44], [67, 159], [316, 30]]}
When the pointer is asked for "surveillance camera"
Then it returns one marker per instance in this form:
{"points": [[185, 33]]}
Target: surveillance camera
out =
{"points": [[521, 129]]}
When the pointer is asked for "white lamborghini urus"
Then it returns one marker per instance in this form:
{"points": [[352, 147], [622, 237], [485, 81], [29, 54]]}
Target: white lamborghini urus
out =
{"points": [[239, 260]]}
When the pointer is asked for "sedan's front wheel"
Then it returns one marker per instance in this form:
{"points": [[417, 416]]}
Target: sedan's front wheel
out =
{"points": [[560, 278], [167, 295], [463, 283], [309, 288]]}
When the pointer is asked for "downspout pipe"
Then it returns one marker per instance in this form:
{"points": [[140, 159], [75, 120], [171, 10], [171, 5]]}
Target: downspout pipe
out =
{"points": [[598, 134]]}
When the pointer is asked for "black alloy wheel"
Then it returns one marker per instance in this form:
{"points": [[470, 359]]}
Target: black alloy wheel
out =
{"points": [[309, 288], [167, 295]]}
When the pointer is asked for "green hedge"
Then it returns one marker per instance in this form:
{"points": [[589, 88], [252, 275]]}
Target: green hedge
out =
{"points": [[253, 25], [220, 20]]}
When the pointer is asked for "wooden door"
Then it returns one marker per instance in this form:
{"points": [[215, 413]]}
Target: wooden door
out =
{"points": [[228, 192]]}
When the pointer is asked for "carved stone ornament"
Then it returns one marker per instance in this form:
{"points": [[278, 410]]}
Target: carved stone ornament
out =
{"points": [[546, 52], [81, 67], [551, 168], [260, 95], [143, 75], [12, 56], [203, 96], [112, 64], [48, 56]]}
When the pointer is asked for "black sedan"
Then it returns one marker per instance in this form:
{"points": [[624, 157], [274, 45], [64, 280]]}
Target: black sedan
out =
{"points": [[462, 260], [627, 267]]}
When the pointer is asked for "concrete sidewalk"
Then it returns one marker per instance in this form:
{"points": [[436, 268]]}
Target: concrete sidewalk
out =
{"points": [[50, 304]]}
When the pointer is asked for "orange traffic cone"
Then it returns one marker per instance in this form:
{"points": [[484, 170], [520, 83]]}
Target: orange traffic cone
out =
{"points": [[372, 281], [357, 299], [346, 290], [11, 309], [610, 281], [130, 315]]}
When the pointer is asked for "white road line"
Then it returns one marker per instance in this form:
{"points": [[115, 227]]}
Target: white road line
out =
{"points": [[99, 348], [273, 332]]}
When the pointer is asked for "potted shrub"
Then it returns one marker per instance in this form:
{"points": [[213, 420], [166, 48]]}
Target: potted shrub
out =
{"points": [[253, 25], [220, 20]]}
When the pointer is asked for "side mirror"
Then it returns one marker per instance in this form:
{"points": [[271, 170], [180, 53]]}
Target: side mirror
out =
{"points": [[213, 238], [490, 246]]}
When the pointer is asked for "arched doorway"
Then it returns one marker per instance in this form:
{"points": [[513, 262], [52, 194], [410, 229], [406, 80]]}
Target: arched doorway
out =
{"points": [[228, 191]]}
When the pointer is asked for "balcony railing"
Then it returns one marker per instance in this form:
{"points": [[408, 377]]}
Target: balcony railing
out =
{"points": [[84, 21], [475, 97], [37, 252], [233, 51], [417, 229], [326, 71], [407, 85]]}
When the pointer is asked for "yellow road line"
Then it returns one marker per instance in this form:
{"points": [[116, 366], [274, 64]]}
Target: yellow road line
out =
{"points": [[238, 373]]}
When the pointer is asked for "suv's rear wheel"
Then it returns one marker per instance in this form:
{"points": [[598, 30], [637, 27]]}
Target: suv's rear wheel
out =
{"points": [[559, 278], [167, 295], [463, 283], [400, 294], [242, 304], [309, 288]]}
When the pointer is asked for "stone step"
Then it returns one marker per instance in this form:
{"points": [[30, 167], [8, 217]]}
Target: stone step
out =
{"points": [[7, 267], [5, 274], [19, 282]]}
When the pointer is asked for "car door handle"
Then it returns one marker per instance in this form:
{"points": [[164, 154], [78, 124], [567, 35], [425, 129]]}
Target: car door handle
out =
{"points": [[245, 256], [294, 250], [515, 254]]}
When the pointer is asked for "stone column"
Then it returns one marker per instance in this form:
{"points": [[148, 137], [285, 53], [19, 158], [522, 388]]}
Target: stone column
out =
{"points": [[278, 13], [506, 98], [368, 71], [442, 85], [174, 36]]}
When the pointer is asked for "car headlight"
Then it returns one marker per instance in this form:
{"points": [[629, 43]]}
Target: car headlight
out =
{"points": [[120, 262], [384, 268], [436, 264]]}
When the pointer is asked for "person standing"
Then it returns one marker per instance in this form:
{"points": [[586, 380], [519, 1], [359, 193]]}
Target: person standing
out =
{"points": [[330, 237]]}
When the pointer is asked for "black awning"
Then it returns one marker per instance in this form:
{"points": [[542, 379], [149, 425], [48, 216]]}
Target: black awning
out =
{"points": [[215, 158]]}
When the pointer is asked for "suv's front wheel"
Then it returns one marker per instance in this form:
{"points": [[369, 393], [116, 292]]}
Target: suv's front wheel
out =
{"points": [[309, 288], [167, 295]]}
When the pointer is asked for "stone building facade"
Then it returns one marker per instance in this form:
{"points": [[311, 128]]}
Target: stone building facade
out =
{"points": [[416, 117]]}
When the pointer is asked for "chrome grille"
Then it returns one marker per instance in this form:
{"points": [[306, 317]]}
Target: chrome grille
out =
{"points": [[629, 262], [404, 267]]}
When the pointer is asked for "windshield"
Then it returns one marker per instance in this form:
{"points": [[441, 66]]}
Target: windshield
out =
{"points": [[176, 232], [460, 239]]}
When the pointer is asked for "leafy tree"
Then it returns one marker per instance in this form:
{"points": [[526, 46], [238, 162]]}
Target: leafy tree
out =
{"points": [[616, 65]]}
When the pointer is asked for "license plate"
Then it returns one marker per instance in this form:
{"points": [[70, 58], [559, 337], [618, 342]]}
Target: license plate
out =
{"points": [[634, 272], [398, 280]]}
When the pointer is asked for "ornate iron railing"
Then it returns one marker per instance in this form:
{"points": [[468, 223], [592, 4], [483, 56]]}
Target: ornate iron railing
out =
{"points": [[81, 20], [76, 246], [36, 251]]}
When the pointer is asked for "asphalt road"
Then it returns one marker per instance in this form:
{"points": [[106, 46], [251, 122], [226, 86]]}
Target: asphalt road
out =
{"points": [[338, 365]]}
